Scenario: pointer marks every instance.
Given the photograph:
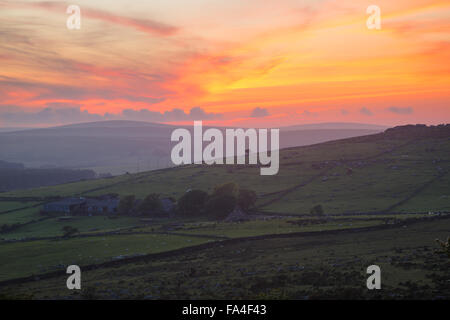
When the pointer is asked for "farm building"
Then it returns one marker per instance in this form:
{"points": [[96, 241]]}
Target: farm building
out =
{"points": [[237, 215], [168, 205], [66, 206], [80, 206]]}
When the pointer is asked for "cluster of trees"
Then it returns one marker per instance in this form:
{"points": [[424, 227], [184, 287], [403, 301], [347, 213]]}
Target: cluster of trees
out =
{"points": [[193, 203], [218, 204], [150, 205], [196, 203], [20, 178], [126, 205]]}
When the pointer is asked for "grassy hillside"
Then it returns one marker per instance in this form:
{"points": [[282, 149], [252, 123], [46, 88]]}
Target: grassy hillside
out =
{"points": [[376, 173], [381, 184]]}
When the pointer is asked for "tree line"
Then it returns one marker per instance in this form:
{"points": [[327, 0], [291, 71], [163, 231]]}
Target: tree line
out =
{"points": [[24, 178], [193, 203]]}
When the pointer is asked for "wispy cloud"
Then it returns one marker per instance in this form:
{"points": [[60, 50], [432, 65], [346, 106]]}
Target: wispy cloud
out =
{"points": [[173, 115], [64, 113], [240, 57], [308, 113], [365, 111], [400, 110], [259, 113], [11, 115], [144, 25]]}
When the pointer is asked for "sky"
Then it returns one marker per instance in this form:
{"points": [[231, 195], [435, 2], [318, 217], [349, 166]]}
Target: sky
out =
{"points": [[249, 63]]}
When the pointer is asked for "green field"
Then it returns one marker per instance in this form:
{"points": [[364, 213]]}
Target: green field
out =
{"points": [[46, 255], [52, 227], [325, 266], [20, 216], [7, 206]]}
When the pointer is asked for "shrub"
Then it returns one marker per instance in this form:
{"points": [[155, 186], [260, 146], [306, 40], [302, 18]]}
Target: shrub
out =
{"points": [[69, 231], [317, 210]]}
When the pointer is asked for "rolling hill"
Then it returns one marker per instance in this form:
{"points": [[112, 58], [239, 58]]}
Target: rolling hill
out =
{"points": [[377, 192], [403, 169], [118, 147]]}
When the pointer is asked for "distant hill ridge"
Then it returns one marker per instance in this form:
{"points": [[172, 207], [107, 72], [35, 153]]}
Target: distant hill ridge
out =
{"points": [[11, 165], [117, 147], [419, 131]]}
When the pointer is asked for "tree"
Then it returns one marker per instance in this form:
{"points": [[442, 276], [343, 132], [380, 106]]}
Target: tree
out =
{"points": [[126, 205], [317, 210], [69, 231], [222, 201], [151, 204], [219, 206], [246, 199], [228, 189], [192, 203]]}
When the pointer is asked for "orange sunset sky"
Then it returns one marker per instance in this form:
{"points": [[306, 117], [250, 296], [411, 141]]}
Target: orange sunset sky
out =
{"points": [[228, 62]]}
